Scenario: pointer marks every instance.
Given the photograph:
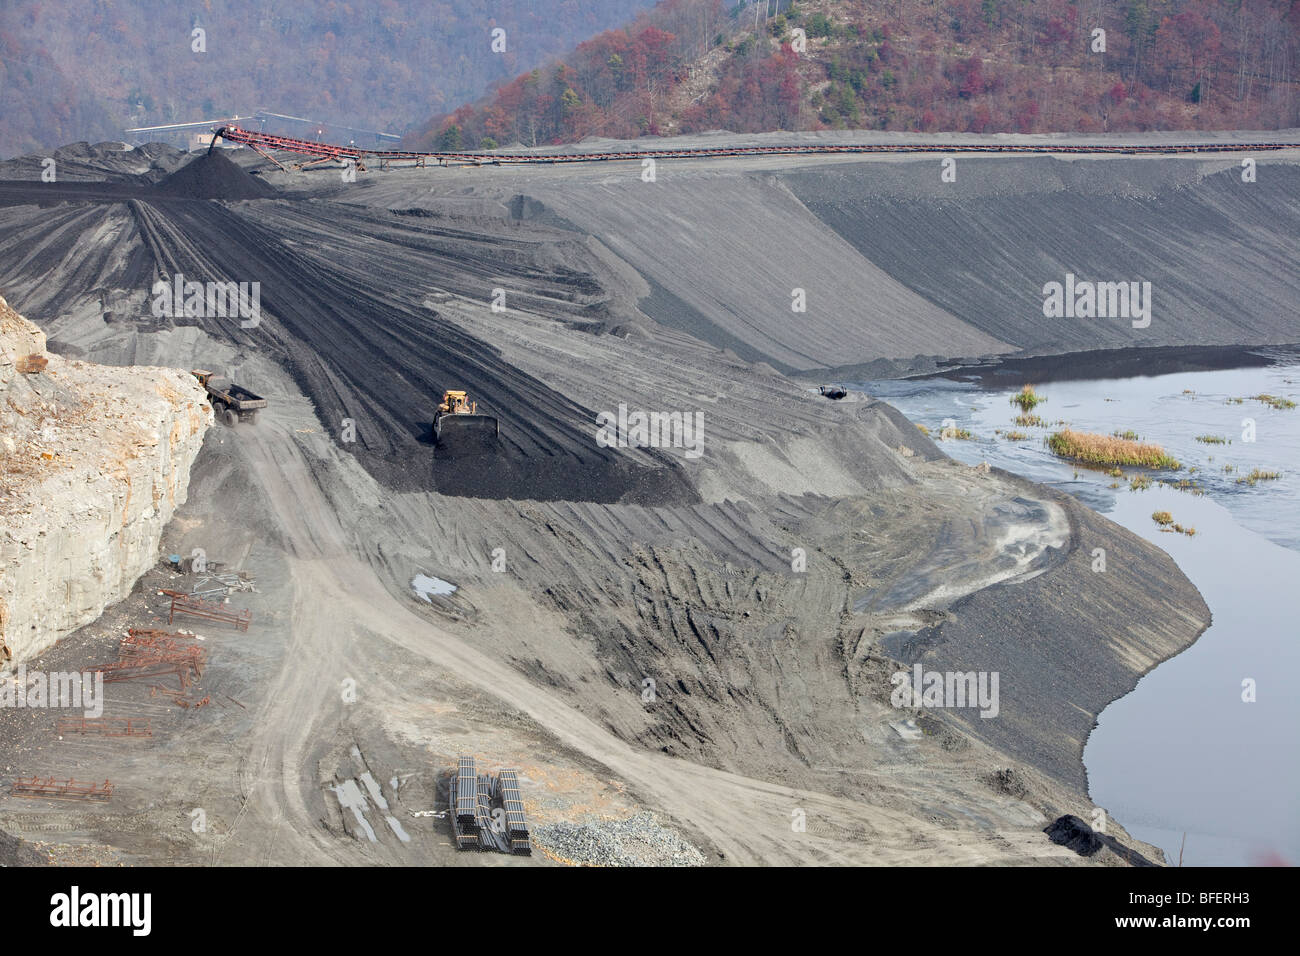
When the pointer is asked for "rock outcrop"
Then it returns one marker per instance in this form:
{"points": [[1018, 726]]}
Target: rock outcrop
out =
{"points": [[93, 462]]}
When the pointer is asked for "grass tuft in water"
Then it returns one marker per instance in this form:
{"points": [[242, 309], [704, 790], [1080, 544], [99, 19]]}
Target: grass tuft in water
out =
{"points": [[1258, 475], [1273, 401], [1095, 449], [952, 431], [1027, 398]]}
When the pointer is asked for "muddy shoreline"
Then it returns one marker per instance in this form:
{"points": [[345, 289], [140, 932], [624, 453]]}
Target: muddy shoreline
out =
{"points": [[1003, 371]]}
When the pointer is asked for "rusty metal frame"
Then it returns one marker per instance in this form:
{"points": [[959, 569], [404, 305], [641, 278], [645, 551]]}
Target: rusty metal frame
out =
{"points": [[51, 789], [105, 726], [196, 607]]}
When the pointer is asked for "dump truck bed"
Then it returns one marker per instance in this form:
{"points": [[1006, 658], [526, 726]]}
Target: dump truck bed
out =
{"points": [[236, 396]]}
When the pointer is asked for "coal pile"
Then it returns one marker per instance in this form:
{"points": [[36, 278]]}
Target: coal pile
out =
{"points": [[504, 472], [16, 852], [1069, 831], [213, 176], [110, 163], [362, 347]]}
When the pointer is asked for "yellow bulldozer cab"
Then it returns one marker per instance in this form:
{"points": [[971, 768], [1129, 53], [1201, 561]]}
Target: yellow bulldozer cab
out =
{"points": [[461, 419], [457, 402]]}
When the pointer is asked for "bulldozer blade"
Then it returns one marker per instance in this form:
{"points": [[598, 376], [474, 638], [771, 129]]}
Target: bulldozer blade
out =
{"points": [[452, 429]]}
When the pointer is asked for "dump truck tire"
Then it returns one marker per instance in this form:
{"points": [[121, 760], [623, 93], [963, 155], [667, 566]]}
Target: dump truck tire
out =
{"points": [[230, 418]]}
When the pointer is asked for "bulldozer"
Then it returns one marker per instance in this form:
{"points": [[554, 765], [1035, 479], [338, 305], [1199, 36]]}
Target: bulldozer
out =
{"points": [[458, 417]]}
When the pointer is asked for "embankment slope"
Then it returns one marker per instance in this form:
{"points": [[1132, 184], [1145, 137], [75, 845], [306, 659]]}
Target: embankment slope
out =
{"points": [[898, 267]]}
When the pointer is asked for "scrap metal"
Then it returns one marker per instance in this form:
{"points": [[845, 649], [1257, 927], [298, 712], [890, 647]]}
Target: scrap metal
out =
{"points": [[105, 727], [52, 789], [183, 603]]}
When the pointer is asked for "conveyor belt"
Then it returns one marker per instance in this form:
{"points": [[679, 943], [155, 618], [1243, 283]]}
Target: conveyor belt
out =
{"points": [[322, 152]]}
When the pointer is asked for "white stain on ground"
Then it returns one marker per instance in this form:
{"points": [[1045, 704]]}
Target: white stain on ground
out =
{"points": [[424, 586], [397, 828], [350, 798], [372, 787]]}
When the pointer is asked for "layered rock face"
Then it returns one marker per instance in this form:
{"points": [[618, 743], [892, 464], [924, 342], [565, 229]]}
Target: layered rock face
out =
{"points": [[93, 462]]}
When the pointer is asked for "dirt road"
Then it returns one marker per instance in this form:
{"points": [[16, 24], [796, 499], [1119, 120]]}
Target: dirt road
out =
{"points": [[339, 601]]}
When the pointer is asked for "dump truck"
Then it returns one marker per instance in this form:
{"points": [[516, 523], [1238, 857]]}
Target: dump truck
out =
{"points": [[458, 417], [230, 403]]}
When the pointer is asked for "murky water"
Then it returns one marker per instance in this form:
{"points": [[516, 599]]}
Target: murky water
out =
{"points": [[1184, 753]]}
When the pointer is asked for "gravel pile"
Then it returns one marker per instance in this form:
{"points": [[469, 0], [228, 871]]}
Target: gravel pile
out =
{"points": [[637, 841]]}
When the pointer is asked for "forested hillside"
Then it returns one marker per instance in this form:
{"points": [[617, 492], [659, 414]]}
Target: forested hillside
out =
{"points": [[85, 69], [964, 65]]}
